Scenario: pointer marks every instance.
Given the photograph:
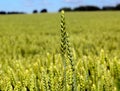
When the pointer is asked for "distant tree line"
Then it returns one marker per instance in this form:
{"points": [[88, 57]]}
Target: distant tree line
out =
{"points": [[16, 12], [80, 8], [12, 12], [91, 8], [42, 11]]}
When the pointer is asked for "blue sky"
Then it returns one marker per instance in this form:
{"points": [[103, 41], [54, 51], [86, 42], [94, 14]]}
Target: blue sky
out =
{"points": [[51, 5]]}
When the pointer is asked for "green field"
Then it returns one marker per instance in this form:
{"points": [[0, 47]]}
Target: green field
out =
{"points": [[30, 52]]}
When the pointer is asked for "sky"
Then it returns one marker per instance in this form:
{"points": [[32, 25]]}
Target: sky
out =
{"points": [[51, 5]]}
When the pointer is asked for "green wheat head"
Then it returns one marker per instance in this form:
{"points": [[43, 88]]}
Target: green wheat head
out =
{"points": [[65, 43], [63, 34], [66, 51]]}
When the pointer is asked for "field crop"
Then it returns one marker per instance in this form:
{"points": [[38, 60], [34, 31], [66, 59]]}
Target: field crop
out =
{"points": [[30, 52]]}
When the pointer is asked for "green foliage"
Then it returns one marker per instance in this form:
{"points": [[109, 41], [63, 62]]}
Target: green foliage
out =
{"points": [[30, 59]]}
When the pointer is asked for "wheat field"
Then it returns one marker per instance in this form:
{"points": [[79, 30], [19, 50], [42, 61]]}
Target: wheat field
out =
{"points": [[52, 52]]}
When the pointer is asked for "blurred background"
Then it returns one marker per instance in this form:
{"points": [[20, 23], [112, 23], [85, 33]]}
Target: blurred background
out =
{"points": [[40, 6]]}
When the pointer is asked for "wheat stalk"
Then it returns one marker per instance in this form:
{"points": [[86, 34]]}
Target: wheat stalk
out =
{"points": [[63, 46], [66, 51]]}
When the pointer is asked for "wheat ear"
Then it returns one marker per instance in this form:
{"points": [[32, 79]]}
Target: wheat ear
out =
{"points": [[63, 46], [67, 51]]}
